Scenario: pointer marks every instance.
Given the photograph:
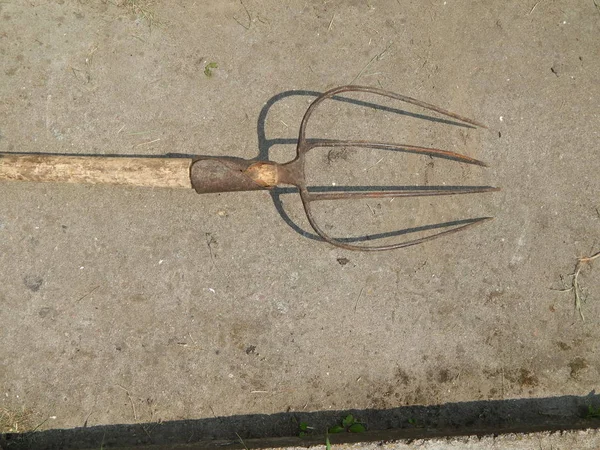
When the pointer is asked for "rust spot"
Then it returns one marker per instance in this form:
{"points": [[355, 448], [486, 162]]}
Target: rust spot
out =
{"points": [[336, 154]]}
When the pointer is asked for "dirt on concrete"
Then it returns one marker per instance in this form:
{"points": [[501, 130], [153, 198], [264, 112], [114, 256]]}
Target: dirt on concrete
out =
{"points": [[124, 305]]}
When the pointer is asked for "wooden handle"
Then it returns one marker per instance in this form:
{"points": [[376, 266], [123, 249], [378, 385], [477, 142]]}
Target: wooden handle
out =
{"points": [[228, 174], [147, 172]]}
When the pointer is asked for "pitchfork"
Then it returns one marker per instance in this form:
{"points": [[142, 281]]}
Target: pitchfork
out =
{"points": [[207, 174]]}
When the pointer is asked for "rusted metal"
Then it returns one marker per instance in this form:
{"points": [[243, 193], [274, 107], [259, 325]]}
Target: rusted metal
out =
{"points": [[230, 174], [210, 175]]}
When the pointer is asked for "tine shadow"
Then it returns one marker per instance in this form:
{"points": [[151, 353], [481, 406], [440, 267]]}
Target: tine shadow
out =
{"points": [[265, 144], [341, 188]]}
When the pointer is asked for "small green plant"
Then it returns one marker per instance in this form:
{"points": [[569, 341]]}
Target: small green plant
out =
{"points": [[348, 424], [416, 423], [304, 429], [209, 68], [593, 413]]}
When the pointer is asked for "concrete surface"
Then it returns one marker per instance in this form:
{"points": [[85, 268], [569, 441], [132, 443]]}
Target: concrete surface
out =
{"points": [[129, 305]]}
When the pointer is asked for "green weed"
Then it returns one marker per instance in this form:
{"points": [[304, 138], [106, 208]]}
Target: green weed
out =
{"points": [[348, 424], [593, 413], [208, 69]]}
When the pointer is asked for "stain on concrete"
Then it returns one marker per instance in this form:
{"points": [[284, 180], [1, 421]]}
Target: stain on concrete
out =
{"points": [[33, 282], [577, 365], [47, 312]]}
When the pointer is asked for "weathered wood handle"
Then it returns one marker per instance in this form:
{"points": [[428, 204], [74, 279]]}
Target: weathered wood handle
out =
{"points": [[204, 174], [147, 172]]}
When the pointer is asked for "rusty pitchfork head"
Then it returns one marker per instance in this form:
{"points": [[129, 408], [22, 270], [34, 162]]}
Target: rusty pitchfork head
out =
{"points": [[222, 174]]}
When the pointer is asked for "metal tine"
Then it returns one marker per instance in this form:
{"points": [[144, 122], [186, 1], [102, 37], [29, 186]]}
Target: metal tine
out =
{"points": [[405, 192], [414, 101], [435, 152], [358, 192], [425, 105], [477, 221], [368, 248], [331, 94], [436, 226]]}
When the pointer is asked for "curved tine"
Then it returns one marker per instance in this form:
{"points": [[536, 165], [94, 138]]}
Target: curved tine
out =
{"points": [[434, 152], [416, 192], [376, 91], [367, 248]]}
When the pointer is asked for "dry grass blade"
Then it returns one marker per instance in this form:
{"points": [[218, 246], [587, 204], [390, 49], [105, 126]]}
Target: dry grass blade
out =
{"points": [[142, 9], [533, 8], [377, 57], [242, 441], [247, 27], [135, 416], [575, 284], [15, 421]]}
